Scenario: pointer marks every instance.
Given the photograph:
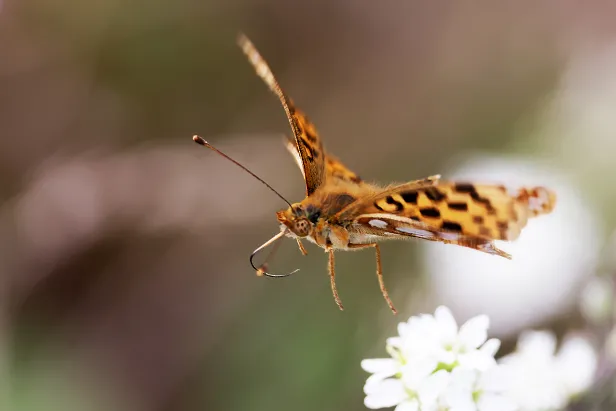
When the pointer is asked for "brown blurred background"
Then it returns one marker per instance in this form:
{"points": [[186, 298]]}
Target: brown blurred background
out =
{"points": [[124, 246]]}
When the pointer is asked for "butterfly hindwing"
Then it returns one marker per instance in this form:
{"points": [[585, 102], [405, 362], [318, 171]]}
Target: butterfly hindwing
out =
{"points": [[307, 139], [484, 211], [365, 203], [335, 169], [387, 226]]}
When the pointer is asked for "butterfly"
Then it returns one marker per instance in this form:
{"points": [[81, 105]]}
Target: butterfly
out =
{"points": [[341, 211]]}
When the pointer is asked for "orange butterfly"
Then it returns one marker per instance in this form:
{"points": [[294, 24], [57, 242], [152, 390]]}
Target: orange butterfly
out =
{"points": [[343, 212]]}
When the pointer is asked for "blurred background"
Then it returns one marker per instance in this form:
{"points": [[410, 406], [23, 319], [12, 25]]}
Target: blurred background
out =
{"points": [[125, 282]]}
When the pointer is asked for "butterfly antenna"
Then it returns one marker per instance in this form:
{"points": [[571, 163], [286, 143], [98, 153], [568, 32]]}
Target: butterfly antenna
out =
{"points": [[261, 269], [202, 142]]}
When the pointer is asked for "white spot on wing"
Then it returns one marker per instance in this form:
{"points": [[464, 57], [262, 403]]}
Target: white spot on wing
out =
{"points": [[378, 223], [417, 232], [449, 236]]}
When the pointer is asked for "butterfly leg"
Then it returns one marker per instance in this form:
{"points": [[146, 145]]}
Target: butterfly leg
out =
{"points": [[332, 278], [301, 247], [379, 272]]}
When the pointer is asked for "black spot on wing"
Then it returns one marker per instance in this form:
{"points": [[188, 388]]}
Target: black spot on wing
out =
{"points": [[476, 197], [434, 194], [430, 212], [451, 226], [390, 200], [484, 201], [310, 151], [464, 188], [502, 225], [458, 206], [310, 136], [410, 197]]}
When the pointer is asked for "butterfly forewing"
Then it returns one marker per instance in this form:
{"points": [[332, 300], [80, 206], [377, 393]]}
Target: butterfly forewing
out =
{"points": [[292, 148], [307, 139], [334, 169]]}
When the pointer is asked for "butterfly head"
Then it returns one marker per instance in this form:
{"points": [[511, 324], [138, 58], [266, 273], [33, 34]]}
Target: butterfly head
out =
{"points": [[299, 219]]}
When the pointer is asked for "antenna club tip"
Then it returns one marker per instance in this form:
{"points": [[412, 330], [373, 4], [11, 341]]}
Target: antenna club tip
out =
{"points": [[262, 270], [199, 140]]}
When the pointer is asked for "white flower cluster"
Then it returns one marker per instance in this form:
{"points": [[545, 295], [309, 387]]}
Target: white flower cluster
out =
{"points": [[436, 366], [541, 379]]}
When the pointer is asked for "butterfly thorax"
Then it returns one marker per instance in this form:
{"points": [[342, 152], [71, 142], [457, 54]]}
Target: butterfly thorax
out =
{"points": [[315, 218]]}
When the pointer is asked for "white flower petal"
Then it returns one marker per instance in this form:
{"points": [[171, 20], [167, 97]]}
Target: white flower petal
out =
{"points": [[459, 393], [415, 372], [535, 379], [386, 394], [402, 329], [408, 405], [495, 379], [491, 347], [597, 299], [444, 356], [541, 344], [373, 382], [466, 406], [418, 339], [433, 387], [477, 360], [421, 335], [446, 322], [394, 342], [474, 332], [380, 365], [577, 363], [460, 401], [463, 378], [494, 402]]}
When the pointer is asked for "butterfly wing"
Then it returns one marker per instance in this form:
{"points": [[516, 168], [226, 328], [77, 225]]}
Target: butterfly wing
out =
{"points": [[292, 148], [333, 166], [335, 169], [366, 203], [374, 227], [307, 140], [449, 212]]}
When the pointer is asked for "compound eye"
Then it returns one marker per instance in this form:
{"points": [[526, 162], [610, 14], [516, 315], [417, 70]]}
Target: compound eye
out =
{"points": [[302, 227]]}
